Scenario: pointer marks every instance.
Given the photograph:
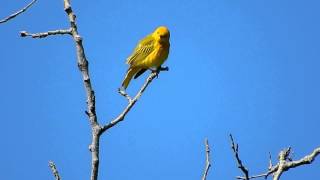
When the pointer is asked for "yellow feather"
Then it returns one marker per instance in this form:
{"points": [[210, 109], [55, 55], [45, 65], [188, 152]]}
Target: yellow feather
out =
{"points": [[151, 52], [130, 73]]}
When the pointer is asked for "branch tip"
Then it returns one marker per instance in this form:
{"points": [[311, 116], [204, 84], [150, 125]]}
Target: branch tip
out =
{"points": [[235, 149], [54, 170], [208, 161], [18, 12]]}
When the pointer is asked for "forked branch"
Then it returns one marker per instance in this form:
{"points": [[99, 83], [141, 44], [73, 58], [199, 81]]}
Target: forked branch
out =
{"points": [[284, 164], [131, 102], [208, 161], [96, 129], [235, 149]]}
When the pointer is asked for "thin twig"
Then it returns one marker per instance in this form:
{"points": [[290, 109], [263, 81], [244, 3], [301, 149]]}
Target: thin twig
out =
{"points": [[285, 163], [131, 103], [54, 170], [124, 94], [18, 12], [271, 169], [270, 162], [264, 175], [235, 149], [45, 34], [255, 176], [208, 163]]}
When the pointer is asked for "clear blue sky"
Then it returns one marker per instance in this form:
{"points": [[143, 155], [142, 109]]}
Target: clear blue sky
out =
{"points": [[250, 68]]}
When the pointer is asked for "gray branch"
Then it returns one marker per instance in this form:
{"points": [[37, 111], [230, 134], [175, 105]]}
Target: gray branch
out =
{"points": [[18, 12], [91, 103], [83, 66], [208, 163], [45, 34], [235, 149], [131, 103], [271, 169], [54, 170], [96, 129], [285, 163]]}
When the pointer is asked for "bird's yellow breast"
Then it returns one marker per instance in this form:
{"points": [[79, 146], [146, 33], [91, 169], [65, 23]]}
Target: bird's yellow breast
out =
{"points": [[158, 56]]}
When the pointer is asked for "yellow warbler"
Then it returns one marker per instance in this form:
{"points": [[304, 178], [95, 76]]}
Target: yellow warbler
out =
{"points": [[150, 52]]}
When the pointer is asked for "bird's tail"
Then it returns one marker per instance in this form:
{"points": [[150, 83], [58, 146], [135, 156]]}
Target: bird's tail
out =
{"points": [[130, 73]]}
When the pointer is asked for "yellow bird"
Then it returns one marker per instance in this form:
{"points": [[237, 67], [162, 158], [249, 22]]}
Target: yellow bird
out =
{"points": [[150, 52]]}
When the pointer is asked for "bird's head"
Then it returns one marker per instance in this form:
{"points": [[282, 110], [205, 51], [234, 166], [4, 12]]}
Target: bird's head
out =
{"points": [[162, 33]]}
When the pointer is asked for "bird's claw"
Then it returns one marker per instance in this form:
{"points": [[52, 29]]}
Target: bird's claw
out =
{"points": [[157, 71], [166, 68]]}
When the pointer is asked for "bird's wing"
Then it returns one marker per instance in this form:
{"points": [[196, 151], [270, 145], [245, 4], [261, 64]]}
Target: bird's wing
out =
{"points": [[142, 50]]}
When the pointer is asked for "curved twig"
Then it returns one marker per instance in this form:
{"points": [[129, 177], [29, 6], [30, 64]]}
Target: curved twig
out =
{"points": [[18, 12]]}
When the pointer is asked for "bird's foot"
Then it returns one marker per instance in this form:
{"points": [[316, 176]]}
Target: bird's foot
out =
{"points": [[165, 68], [157, 70]]}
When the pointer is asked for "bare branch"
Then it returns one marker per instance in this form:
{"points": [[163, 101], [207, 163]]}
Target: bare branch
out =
{"points": [[235, 149], [131, 103], [264, 175], [253, 177], [283, 156], [45, 34], [84, 69], [54, 170], [270, 162], [83, 65], [208, 163], [18, 12], [308, 159], [285, 163], [271, 169], [124, 94]]}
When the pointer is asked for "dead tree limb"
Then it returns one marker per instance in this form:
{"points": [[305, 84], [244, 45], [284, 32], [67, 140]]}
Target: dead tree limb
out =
{"points": [[235, 149], [208, 163], [96, 129], [18, 12], [45, 34], [54, 170], [271, 170], [285, 163], [131, 102]]}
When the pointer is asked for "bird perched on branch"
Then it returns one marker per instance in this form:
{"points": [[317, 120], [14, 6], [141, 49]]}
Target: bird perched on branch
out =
{"points": [[150, 53]]}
